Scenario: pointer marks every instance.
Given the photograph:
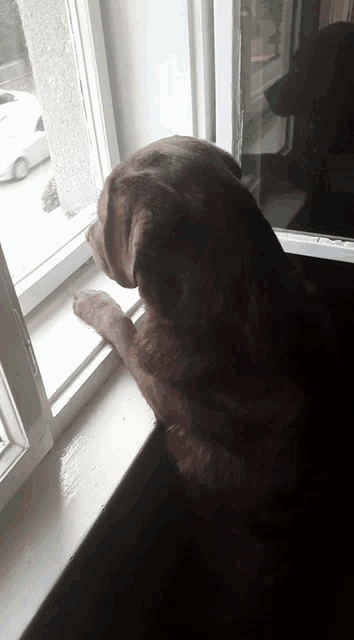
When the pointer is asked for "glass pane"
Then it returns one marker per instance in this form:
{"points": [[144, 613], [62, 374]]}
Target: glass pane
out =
{"points": [[46, 177], [298, 98]]}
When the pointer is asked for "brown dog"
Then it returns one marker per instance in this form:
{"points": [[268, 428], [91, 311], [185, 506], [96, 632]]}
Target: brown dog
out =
{"points": [[231, 349]]}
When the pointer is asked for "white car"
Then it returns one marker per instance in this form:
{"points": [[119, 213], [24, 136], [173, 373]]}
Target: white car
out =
{"points": [[23, 141], [17, 102]]}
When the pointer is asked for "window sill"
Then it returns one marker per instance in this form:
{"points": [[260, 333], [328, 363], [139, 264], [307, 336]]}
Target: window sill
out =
{"points": [[52, 513], [315, 246]]}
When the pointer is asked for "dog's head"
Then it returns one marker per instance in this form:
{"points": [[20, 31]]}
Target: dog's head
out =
{"points": [[176, 221]]}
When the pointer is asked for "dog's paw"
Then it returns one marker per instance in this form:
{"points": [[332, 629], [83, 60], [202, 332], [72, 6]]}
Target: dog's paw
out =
{"points": [[97, 309]]}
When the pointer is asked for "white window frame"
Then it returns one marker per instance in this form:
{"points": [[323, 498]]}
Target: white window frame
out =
{"points": [[202, 61], [227, 34], [21, 450], [85, 23], [14, 440], [27, 439], [229, 119]]}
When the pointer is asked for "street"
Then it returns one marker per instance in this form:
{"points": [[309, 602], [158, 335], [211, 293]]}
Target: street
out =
{"points": [[29, 190], [25, 229]]}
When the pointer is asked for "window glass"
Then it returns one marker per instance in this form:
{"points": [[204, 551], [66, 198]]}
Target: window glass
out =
{"points": [[298, 101], [47, 181]]}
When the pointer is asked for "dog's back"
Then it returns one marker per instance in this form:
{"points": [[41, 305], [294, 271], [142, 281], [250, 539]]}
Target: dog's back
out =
{"points": [[267, 519]]}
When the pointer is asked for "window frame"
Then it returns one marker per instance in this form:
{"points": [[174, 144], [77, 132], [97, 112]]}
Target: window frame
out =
{"points": [[202, 62], [24, 410], [228, 89], [15, 442]]}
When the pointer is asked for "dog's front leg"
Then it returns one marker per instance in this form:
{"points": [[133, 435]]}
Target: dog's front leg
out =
{"points": [[101, 312]]}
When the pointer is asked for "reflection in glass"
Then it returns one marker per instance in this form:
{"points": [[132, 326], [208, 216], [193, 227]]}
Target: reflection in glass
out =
{"points": [[298, 137]]}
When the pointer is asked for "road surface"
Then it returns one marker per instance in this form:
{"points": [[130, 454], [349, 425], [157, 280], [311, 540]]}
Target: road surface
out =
{"points": [[25, 229]]}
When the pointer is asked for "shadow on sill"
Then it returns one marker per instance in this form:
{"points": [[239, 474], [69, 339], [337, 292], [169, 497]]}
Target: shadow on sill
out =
{"points": [[116, 580]]}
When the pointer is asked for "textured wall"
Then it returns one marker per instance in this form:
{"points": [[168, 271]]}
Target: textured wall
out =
{"points": [[51, 52]]}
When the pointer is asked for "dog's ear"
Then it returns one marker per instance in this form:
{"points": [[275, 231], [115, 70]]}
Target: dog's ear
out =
{"points": [[123, 228], [174, 264], [148, 242]]}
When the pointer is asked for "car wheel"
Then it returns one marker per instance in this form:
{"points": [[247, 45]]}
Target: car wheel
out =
{"points": [[21, 168]]}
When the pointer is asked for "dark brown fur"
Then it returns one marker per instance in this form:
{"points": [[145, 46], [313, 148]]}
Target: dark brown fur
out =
{"points": [[233, 354]]}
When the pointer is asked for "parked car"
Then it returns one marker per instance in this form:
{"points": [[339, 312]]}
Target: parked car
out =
{"points": [[14, 103], [23, 141]]}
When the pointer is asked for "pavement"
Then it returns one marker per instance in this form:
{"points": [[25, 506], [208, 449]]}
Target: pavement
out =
{"points": [[27, 233]]}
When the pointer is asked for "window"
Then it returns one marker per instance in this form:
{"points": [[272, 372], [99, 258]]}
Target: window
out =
{"points": [[290, 98], [296, 154], [66, 101], [56, 74], [57, 145], [51, 166]]}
